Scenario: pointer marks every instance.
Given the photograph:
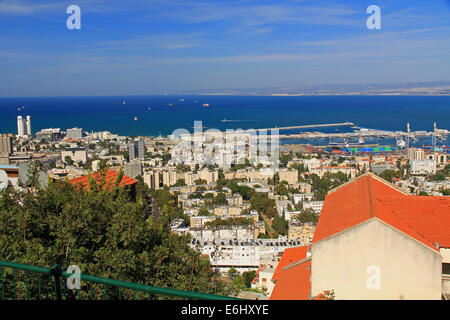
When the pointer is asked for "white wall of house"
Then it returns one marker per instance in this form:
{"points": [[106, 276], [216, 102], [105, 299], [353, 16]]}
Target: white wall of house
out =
{"points": [[408, 269]]}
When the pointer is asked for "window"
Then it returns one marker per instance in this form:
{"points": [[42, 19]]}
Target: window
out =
{"points": [[446, 268]]}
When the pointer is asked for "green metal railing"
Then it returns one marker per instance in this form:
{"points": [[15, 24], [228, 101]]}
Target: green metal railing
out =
{"points": [[23, 281]]}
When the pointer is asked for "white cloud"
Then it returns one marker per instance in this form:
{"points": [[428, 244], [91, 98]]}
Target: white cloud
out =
{"points": [[16, 7]]}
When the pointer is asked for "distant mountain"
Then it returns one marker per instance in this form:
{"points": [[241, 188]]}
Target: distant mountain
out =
{"points": [[411, 88]]}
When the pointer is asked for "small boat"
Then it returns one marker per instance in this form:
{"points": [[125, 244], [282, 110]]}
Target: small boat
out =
{"points": [[135, 118], [170, 104], [149, 108], [124, 102], [205, 105], [181, 100]]}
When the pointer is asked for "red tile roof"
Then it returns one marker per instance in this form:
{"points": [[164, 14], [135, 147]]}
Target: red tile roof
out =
{"points": [[293, 282], [289, 256], [110, 179], [430, 216], [426, 219]]}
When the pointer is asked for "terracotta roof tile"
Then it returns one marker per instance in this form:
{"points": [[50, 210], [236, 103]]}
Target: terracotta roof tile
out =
{"points": [[290, 255], [110, 179], [293, 283], [426, 219]]}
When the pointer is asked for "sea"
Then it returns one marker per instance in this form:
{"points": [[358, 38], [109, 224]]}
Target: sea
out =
{"points": [[154, 115]]}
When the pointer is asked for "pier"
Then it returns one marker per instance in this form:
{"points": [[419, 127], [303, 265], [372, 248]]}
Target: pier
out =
{"points": [[341, 124]]}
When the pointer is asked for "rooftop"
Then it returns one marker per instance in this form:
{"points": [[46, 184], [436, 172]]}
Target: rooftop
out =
{"points": [[293, 282], [426, 219], [290, 255], [110, 179]]}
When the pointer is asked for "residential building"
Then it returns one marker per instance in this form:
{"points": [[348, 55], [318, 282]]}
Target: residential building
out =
{"points": [[169, 177], [263, 279], [49, 135], [45, 136], [199, 221], [74, 133], [302, 197], [316, 206], [416, 154], [288, 175], [242, 254], [320, 171], [133, 168], [76, 154], [209, 176], [301, 231], [423, 167], [378, 168], [283, 204], [303, 187], [152, 179], [235, 200]]}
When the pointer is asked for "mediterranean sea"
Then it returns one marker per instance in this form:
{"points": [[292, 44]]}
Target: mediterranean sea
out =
{"points": [[155, 115]]}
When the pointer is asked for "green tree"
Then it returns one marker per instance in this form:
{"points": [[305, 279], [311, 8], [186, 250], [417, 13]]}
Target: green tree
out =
{"points": [[308, 216], [220, 199], [180, 183], [204, 212], [261, 203], [281, 190], [280, 225], [200, 181], [68, 160], [103, 232], [389, 175], [248, 277]]}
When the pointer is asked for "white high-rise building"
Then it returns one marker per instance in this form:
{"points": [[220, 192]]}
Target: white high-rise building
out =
{"points": [[20, 127], [28, 124], [23, 126], [137, 150]]}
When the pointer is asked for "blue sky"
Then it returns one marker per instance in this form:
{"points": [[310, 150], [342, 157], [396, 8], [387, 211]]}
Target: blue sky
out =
{"points": [[164, 46]]}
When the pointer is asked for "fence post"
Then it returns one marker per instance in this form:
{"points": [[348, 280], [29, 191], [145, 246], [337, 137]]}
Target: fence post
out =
{"points": [[56, 272]]}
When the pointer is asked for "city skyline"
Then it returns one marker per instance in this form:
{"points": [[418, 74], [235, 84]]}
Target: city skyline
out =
{"points": [[172, 46]]}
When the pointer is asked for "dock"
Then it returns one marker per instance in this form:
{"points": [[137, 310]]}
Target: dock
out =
{"points": [[340, 124]]}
